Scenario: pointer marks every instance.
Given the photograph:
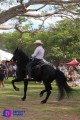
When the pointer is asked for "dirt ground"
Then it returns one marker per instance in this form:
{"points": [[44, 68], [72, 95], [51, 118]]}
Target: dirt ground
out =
{"points": [[36, 111], [67, 109]]}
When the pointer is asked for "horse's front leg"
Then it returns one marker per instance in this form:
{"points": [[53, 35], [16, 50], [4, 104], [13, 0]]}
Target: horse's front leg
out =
{"points": [[25, 89], [16, 80]]}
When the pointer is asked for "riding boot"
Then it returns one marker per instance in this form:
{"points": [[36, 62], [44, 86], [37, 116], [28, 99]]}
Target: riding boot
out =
{"points": [[29, 73]]}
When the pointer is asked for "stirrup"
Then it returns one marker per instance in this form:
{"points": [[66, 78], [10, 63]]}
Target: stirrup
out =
{"points": [[27, 77]]}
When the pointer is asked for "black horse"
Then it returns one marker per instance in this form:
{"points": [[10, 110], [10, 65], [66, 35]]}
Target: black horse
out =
{"points": [[45, 74]]}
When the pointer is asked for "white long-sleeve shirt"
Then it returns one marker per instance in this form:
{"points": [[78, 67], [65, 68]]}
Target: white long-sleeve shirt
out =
{"points": [[38, 53]]}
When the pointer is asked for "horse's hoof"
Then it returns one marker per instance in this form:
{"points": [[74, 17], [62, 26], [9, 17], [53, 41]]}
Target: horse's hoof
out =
{"points": [[23, 99], [17, 89], [43, 102], [41, 94], [60, 98]]}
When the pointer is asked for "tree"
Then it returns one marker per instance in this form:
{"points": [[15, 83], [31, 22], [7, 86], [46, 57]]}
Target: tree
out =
{"points": [[41, 9], [67, 39], [12, 40], [61, 42]]}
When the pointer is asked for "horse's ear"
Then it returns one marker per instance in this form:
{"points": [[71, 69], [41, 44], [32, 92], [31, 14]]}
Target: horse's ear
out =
{"points": [[17, 49]]}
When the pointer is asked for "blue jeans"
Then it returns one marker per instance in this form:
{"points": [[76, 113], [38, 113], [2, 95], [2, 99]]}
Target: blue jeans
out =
{"points": [[30, 65], [33, 63]]}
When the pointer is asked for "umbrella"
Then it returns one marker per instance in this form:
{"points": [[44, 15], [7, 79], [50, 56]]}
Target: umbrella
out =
{"points": [[73, 62]]}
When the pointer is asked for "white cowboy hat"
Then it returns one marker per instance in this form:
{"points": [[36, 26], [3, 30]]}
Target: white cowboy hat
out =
{"points": [[38, 41]]}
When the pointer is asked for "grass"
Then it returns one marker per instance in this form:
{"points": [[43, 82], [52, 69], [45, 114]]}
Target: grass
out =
{"points": [[67, 109]]}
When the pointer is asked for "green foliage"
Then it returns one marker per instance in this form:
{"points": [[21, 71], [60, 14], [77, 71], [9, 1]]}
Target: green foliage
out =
{"points": [[61, 42]]}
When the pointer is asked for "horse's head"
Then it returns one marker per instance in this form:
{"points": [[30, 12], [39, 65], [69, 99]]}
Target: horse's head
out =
{"points": [[15, 55], [20, 56]]}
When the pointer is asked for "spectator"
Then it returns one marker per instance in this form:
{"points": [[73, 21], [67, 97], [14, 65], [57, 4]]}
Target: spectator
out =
{"points": [[2, 73], [78, 68]]}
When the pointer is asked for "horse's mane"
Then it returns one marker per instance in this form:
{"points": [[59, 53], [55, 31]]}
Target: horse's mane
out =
{"points": [[23, 57]]}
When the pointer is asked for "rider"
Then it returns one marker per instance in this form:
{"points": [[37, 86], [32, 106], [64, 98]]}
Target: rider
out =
{"points": [[37, 55]]}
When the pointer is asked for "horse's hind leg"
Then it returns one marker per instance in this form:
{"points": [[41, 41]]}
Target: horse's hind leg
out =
{"points": [[48, 94], [16, 80], [42, 92], [25, 89], [48, 89]]}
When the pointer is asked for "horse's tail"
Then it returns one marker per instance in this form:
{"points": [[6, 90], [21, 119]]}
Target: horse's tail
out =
{"points": [[61, 81]]}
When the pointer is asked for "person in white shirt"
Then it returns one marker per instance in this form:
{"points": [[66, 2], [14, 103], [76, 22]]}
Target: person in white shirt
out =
{"points": [[37, 55]]}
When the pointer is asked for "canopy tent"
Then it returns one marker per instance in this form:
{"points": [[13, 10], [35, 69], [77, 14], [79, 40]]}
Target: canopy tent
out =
{"points": [[5, 55], [73, 62]]}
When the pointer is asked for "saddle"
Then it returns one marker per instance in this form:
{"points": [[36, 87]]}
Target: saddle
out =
{"points": [[37, 68], [39, 64]]}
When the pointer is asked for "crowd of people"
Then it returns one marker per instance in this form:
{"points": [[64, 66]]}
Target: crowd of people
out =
{"points": [[71, 72], [7, 69]]}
